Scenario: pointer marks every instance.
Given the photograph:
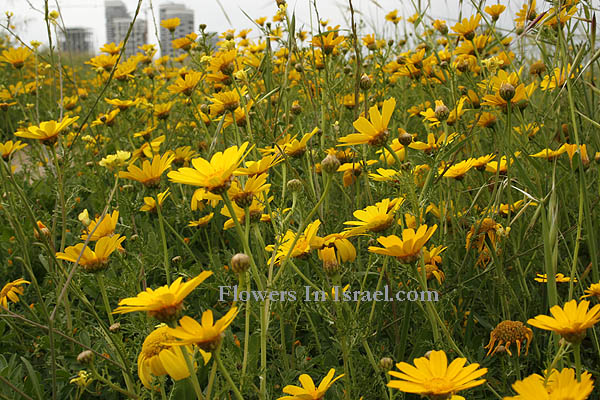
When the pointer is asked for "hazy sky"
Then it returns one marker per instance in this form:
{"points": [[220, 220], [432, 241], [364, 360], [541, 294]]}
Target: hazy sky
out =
{"points": [[90, 13]]}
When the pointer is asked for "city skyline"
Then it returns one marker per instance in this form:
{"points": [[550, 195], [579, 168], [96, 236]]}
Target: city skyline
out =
{"points": [[239, 15]]}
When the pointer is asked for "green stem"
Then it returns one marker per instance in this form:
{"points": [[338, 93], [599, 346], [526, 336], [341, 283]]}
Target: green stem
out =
{"points": [[161, 226], [223, 370], [193, 376], [577, 354], [101, 285]]}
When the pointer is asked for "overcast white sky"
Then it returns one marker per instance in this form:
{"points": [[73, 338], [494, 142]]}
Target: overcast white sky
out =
{"points": [[90, 13]]}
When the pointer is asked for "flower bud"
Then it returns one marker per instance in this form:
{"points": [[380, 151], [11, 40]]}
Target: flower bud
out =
{"points": [[365, 82], [115, 327], [405, 138], [296, 108], [507, 91], [85, 357], [240, 263], [330, 164], [84, 218], [386, 364], [441, 111], [295, 185], [43, 230]]}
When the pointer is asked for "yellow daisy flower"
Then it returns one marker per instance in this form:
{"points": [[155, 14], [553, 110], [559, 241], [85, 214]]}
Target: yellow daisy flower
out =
{"points": [[458, 170], [163, 303], [466, 28], [259, 167], [158, 358], [106, 228], [309, 391], [593, 290], [570, 322], [170, 24], [243, 196], [11, 291], [202, 221], [407, 249], [432, 376], [374, 131], [9, 147], [214, 175], [207, 334], [92, 260], [375, 218], [47, 132], [150, 202], [150, 173], [559, 386]]}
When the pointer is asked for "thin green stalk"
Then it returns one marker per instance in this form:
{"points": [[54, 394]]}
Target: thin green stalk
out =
{"points": [[163, 237], [211, 381], [225, 373], [577, 355], [193, 376], [101, 285]]}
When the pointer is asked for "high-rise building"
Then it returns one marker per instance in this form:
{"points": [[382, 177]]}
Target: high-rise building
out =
{"points": [[113, 9], [138, 36], [117, 25], [76, 40], [186, 26]]}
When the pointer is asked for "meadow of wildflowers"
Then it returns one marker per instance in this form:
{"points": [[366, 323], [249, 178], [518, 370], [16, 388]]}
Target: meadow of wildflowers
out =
{"points": [[454, 158]]}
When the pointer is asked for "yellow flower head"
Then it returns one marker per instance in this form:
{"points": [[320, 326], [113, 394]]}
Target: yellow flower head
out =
{"points": [[112, 48], [165, 302], [158, 358], [207, 335], [506, 333], [495, 10], [103, 62], [327, 41], [150, 202], [150, 173], [214, 175], [433, 376], [309, 391], [186, 84], [47, 132], [106, 228], [15, 56], [466, 28], [170, 24], [254, 185], [458, 170], [407, 249], [559, 385], [570, 322], [92, 260], [374, 131], [9, 147], [11, 291], [114, 161], [375, 218], [307, 241], [593, 290]]}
